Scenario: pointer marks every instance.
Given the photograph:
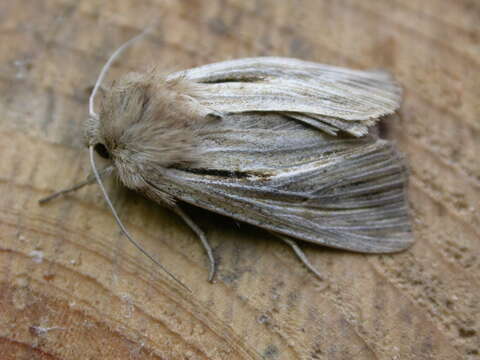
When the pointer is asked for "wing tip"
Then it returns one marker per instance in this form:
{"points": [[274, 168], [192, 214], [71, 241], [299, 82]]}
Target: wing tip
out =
{"points": [[400, 245]]}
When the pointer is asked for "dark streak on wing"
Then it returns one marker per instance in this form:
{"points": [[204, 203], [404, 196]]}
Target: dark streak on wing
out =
{"points": [[218, 172]]}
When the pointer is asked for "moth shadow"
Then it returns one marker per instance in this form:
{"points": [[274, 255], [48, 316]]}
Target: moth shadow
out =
{"points": [[238, 247]]}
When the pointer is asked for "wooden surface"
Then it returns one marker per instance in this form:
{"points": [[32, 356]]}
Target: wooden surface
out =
{"points": [[72, 288]]}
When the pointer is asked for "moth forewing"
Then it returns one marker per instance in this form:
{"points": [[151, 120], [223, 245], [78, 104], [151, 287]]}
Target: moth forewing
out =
{"points": [[322, 93], [351, 198]]}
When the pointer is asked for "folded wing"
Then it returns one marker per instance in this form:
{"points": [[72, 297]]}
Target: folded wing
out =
{"points": [[283, 176], [327, 97]]}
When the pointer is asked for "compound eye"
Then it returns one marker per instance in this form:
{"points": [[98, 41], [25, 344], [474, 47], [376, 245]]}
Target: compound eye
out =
{"points": [[102, 150]]}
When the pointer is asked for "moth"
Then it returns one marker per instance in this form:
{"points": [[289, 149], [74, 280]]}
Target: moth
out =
{"points": [[280, 143]]}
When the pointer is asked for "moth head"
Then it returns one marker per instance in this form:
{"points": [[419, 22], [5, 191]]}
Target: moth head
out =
{"points": [[146, 123]]}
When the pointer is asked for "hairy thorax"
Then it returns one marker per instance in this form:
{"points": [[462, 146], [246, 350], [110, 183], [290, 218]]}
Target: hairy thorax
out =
{"points": [[146, 124]]}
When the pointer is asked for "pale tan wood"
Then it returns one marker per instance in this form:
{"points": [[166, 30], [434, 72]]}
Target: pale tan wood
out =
{"points": [[72, 288]]}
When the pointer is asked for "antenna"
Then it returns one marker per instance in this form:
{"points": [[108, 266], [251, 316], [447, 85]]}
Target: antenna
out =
{"points": [[105, 69], [119, 222]]}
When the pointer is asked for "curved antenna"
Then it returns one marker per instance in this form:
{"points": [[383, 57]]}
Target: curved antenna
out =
{"points": [[119, 222], [106, 67]]}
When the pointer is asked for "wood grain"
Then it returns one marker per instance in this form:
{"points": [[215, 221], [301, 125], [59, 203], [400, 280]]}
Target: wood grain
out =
{"points": [[72, 288]]}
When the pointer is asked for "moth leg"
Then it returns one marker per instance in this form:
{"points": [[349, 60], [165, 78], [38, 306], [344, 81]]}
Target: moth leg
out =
{"points": [[203, 238], [90, 180], [301, 255]]}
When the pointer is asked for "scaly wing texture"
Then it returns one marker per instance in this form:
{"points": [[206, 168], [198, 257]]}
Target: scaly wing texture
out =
{"points": [[276, 173], [327, 97]]}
